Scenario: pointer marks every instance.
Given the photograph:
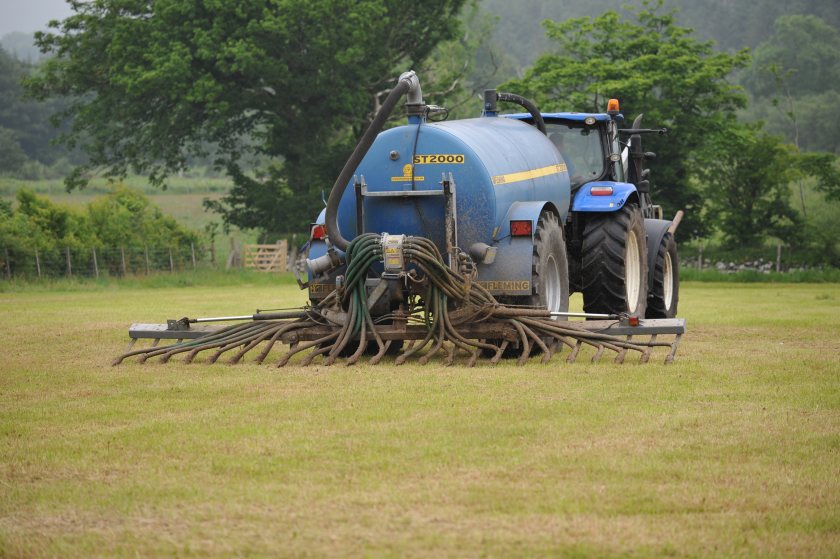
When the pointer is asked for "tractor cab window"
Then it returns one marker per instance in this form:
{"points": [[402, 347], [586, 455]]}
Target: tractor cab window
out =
{"points": [[581, 149]]}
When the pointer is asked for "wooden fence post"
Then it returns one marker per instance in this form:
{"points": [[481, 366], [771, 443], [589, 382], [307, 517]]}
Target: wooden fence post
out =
{"points": [[122, 260], [779, 257], [69, 262], [701, 257], [192, 252], [95, 263], [8, 264], [293, 254], [234, 258], [171, 264], [146, 254], [37, 263]]}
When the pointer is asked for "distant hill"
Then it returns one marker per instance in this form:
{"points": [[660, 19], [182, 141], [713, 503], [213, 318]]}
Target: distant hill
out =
{"points": [[21, 46], [731, 24]]}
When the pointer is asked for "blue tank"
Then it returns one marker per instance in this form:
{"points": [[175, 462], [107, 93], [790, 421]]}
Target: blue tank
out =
{"points": [[496, 163]]}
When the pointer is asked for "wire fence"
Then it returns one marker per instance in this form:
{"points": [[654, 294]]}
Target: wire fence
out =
{"points": [[766, 259], [98, 262]]}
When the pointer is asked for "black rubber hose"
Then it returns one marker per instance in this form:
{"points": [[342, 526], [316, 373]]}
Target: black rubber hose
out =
{"points": [[331, 217], [528, 105]]}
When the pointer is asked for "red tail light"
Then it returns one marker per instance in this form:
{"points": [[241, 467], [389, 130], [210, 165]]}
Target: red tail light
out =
{"points": [[521, 228], [319, 232], [601, 191]]}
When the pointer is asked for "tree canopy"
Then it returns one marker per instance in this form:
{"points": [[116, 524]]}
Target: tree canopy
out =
{"points": [[803, 50], [794, 81], [747, 175], [653, 66], [158, 81]]}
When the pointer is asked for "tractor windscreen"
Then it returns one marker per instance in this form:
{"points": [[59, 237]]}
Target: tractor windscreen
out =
{"points": [[581, 149]]}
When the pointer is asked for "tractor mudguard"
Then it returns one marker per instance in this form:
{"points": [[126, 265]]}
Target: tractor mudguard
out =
{"points": [[520, 211], [655, 229], [584, 201], [510, 272]]}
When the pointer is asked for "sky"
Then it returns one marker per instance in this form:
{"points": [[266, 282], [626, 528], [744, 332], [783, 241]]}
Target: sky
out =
{"points": [[30, 15]]}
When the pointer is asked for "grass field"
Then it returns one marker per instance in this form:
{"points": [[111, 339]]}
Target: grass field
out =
{"points": [[734, 450]]}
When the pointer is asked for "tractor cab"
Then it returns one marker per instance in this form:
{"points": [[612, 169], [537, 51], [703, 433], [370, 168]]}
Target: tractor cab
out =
{"points": [[584, 142], [596, 151]]}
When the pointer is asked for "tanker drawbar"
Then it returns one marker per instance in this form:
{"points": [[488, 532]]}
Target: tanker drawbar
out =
{"points": [[438, 239]]}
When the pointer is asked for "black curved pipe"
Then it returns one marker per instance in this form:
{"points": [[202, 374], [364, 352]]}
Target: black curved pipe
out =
{"points": [[526, 104], [408, 82]]}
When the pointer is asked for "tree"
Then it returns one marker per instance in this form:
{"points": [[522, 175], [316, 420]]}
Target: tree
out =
{"points": [[27, 123], [12, 157], [156, 81], [125, 217], [825, 168], [795, 79], [653, 67], [121, 218], [747, 175], [801, 57]]}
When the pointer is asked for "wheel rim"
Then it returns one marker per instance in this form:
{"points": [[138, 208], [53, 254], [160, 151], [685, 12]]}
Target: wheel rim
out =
{"points": [[632, 272], [667, 280], [552, 284]]}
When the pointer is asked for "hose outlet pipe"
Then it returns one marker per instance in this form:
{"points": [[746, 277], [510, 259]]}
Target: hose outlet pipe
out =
{"points": [[483, 253], [323, 263], [408, 84]]}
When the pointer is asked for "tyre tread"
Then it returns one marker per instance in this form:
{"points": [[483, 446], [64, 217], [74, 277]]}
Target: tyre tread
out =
{"points": [[602, 274]]}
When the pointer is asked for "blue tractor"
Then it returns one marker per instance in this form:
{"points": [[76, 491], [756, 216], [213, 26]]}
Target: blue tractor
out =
{"points": [[622, 254], [468, 236]]}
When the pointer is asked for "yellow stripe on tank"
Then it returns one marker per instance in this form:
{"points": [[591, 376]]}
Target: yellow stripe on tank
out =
{"points": [[532, 174]]}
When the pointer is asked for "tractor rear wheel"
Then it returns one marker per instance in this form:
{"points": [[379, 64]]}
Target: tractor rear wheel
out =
{"points": [[665, 284], [614, 274]]}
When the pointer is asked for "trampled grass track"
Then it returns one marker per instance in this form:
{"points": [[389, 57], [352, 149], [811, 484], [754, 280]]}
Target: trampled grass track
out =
{"points": [[733, 450]]}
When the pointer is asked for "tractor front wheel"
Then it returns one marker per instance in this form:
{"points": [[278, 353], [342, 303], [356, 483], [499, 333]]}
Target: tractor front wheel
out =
{"points": [[614, 263], [665, 285]]}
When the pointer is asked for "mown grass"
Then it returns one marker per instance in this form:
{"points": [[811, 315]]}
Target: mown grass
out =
{"points": [[827, 275], [734, 450], [208, 277], [201, 277]]}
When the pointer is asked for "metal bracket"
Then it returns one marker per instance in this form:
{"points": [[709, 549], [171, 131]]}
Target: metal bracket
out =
{"points": [[180, 324], [451, 219], [296, 271], [359, 188], [397, 193]]}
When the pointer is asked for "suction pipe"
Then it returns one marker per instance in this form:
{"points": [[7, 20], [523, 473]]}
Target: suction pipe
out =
{"points": [[409, 85]]}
